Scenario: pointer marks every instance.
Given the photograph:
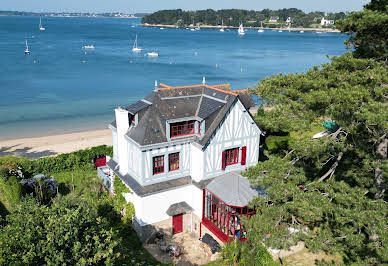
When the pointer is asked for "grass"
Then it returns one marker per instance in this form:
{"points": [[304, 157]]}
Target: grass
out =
{"points": [[307, 258]]}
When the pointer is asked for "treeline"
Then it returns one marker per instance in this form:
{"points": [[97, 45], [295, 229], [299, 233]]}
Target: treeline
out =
{"points": [[75, 14], [233, 17]]}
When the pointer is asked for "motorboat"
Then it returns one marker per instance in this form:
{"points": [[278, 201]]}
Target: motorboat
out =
{"points": [[88, 47], [152, 54]]}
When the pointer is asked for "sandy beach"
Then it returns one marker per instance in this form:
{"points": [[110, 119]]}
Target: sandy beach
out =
{"points": [[51, 145]]}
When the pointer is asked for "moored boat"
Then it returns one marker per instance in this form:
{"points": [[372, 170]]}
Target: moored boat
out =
{"points": [[135, 48], [241, 30]]}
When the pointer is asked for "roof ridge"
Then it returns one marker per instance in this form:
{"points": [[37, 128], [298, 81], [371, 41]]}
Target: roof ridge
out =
{"points": [[242, 90], [217, 89], [199, 105]]}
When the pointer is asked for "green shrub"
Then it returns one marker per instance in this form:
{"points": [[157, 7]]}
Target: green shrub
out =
{"points": [[11, 191], [69, 232], [81, 159], [129, 212], [276, 144], [245, 253], [119, 189]]}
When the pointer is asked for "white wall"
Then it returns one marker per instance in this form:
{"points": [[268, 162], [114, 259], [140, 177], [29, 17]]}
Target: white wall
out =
{"points": [[115, 148], [196, 163], [122, 123], [184, 163], [135, 157], [237, 130], [152, 209]]}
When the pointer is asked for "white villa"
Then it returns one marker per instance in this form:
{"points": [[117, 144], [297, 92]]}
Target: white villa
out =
{"points": [[325, 22], [180, 151]]}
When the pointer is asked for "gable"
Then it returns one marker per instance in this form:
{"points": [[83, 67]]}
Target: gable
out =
{"points": [[237, 124]]}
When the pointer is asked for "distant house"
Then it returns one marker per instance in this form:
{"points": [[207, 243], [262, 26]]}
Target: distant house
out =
{"points": [[325, 22], [179, 151], [289, 20], [274, 19]]}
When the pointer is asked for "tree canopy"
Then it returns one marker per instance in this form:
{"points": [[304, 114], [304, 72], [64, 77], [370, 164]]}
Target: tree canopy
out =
{"points": [[329, 192], [331, 189], [67, 232], [368, 30], [233, 17]]}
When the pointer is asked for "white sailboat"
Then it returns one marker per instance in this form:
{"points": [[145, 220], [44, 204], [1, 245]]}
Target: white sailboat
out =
{"points": [[241, 30], [135, 48], [261, 27], [26, 51], [222, 27], [40, 25]]}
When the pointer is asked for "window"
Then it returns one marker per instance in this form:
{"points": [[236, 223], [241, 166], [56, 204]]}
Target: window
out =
{"points": [[229, 157], [158, 163], [182, 128], [173, 161]]}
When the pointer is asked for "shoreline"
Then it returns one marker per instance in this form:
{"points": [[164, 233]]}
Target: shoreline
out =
{"points": [[37, 147], [247, 28]]}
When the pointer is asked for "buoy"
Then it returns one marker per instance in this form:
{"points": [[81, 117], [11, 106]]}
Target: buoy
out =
{"points": [[131, 62], [241, 69], [216, 65], [195, 53]]}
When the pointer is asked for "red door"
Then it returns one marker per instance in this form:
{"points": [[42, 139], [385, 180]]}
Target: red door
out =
{"points": [[177, 224]]}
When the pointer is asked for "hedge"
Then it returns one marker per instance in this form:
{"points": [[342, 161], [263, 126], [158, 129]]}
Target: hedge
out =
{"points": [[81, 159]]}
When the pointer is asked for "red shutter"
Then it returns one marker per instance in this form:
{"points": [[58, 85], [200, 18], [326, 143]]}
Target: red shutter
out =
{"points": [[223, 160], [243, 155]]}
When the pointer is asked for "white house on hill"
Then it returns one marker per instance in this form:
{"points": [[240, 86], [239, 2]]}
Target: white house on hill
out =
{"points": [[325, 22], [180, 150]]}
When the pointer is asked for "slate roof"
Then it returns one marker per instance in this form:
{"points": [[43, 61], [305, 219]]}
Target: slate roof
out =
{"points": [[136, 107], [179, 208], [143, 191], [210, 103]]}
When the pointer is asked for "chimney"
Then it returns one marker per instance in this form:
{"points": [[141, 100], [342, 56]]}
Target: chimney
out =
{"points": [[122, 124]]}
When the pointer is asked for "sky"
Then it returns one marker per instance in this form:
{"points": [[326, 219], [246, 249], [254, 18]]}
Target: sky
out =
{"points": [[131, 6]]}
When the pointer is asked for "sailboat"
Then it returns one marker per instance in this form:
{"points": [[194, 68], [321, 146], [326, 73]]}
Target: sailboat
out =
{"points": [[26, 51], [241, 30], [135, 48], [222, 27], [40, 25], [261, 27]]}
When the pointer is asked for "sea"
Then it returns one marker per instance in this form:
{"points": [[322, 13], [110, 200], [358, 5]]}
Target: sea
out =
{"points": [[61, 87]]}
